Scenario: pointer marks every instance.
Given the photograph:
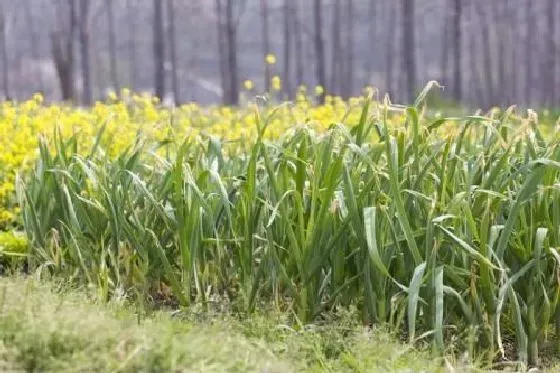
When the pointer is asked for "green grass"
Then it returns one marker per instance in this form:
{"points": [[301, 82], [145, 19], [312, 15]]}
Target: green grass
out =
{"points": [[439, 235], [46, 327]]}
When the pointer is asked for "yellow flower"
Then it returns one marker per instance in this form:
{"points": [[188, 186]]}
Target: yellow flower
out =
{"points": [[38, 98], [319, 90], [248, 84], [276, 83], [112, 96], [270, 59]]}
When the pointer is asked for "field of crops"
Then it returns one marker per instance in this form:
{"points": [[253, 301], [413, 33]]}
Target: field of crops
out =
{"points": [[445, 229]]}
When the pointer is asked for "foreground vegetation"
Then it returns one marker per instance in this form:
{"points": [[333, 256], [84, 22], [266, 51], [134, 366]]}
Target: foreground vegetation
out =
{"points": [[444, 231], [48, 327]]}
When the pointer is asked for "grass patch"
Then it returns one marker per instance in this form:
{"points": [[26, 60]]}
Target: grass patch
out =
{"points": [[47, 328]]}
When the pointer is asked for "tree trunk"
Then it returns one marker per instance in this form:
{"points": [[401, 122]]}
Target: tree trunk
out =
{"points": [[476, 85], [159, 50], [298, 44], [87, 95], [486, 54], [549, 72], [222, 50], [529, 51], [232, 54], [515, 35], [337, 57], [319, 49], [3, 50], [445, 46], [457, 42], [498, 12], [173, 52], [62, 48], [112, 45], [34, 44], [131, 44], [409, 48], [287, 48], [372, 12], [390, 52], [265, 43], [349, 65]]}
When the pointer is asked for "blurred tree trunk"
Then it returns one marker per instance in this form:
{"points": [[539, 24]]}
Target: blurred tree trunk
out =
{"points": [[83, 25], [4, 51], [515, 36], [337, 57], [173, 52], [222, 50], [529, 51], [445, 45], [35, 51], [131, 44], [349, 55], [298, 43], [62, 49], [501, 32], [390, 51], [549, 70], [231, 37], [409, 48], [265, 44], [319, 47], [159, 50], [486, 53], [457, 42], [112, 45], [287, 48], [475, 80], [372, 13]]}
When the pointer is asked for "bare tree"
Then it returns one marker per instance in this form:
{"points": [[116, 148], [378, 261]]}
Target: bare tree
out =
{"points": [[112, 44], [265, 42], [319, 47], [457, 42], [173, 52], [62, 47], [409, 59], [83, 26], [159, 50]]}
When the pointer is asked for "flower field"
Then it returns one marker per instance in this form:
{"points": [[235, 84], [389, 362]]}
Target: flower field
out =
{"points": [[441, 228]]}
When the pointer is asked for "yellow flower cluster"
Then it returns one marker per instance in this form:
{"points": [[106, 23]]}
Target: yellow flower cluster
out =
{"points": [[124, 115]]}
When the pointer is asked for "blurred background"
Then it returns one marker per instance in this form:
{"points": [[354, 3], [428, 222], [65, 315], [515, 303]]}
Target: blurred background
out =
{"points": [[485, 52]]}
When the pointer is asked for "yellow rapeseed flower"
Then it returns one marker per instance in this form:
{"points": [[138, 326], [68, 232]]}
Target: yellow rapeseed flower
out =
{"points": [[276, 83], [248, 84], [270, 59]]}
